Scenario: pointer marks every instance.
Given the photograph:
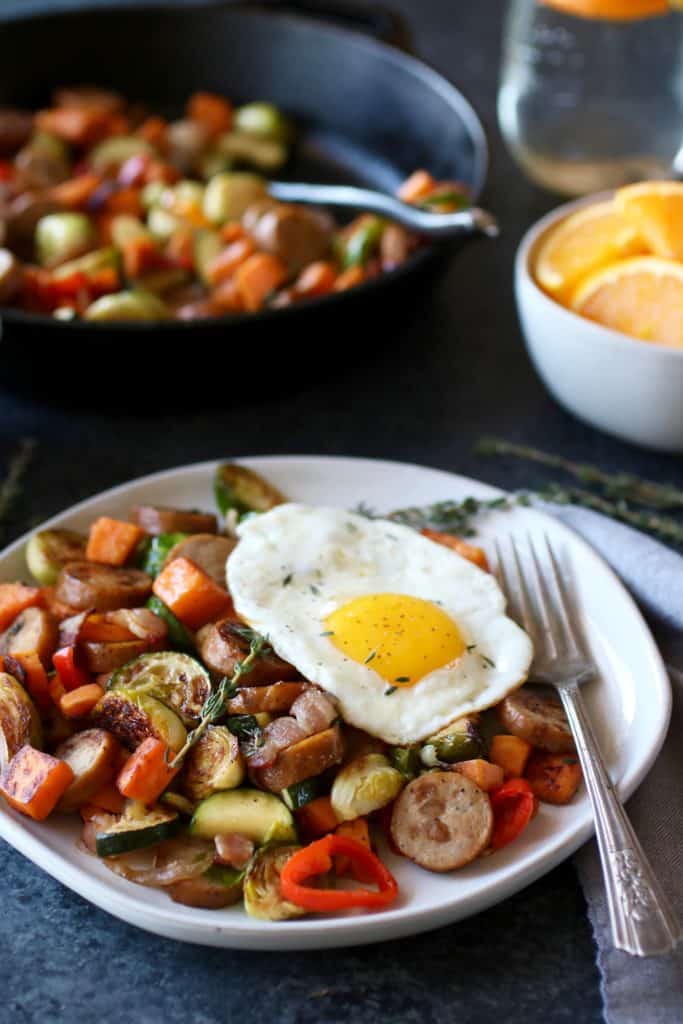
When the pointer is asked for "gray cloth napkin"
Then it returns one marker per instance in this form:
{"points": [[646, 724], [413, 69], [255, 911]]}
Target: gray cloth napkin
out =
{"points": [[635, 990]]}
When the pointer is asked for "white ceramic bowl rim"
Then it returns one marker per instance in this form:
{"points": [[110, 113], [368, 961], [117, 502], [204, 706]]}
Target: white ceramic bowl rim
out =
{"points": [[603, 335]]}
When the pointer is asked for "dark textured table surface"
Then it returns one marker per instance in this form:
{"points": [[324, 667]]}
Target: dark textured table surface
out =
{"points": [[462, 371]]}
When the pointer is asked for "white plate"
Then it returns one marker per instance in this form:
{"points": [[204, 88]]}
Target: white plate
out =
{"points": [[629, 705]]}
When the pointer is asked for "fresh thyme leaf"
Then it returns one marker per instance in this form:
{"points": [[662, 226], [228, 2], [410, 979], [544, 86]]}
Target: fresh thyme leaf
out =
{"points": [[487, 661], [402, 679], [10, 488], [287, 580], [470, 648], [391, 689], [664, 527], [313, 589], [369, 658], [328, 632], [362, 509]]}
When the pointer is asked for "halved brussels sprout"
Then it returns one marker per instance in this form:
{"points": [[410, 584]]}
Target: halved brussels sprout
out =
{"points": [[239, 488], [262, 894], [91, 263], [49, 550], [162, 223], [459, 741], [125, 228], [128, 305], [215, 763], [241, 148], [132, 717], [229, 194], [63, 236], [207, 245], [365, 785], [115, 151], [151, 194], [405, 760], [176, 679], [264, 120], [19, 719]]}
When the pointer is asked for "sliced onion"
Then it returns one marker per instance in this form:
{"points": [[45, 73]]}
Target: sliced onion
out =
{"points": [[70, 629], [142, 622], [233, 850], [174, 860]]}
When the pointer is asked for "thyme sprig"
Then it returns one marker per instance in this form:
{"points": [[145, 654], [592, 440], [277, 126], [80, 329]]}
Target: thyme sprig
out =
{"points": [[664, 527], [216, 704], [617, 486], [10, 488], [447, 516]]}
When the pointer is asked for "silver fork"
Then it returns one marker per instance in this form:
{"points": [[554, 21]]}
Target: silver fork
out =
{"points": [[641, 917]]}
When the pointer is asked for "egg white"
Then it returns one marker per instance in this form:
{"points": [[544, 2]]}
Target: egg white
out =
{"points": [[296, 564]]}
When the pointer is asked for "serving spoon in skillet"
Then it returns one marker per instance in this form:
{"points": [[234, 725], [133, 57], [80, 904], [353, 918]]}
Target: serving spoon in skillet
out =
{"points": [[470, 221]]}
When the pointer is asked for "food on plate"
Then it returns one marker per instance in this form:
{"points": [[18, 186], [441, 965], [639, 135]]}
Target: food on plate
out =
{"points": [[618, 262], [253, 705], [110, 213]]}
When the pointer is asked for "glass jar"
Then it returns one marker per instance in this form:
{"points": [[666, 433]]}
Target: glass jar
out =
{"points": [[591, 91]]}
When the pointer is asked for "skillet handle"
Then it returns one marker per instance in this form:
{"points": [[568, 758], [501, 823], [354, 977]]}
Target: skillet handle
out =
{"points": [[373, 19]]}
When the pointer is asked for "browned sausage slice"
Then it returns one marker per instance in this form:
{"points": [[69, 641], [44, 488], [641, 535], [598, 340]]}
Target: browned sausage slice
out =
{"points": [[207, 891], [302, 760], [156, 519], [105, 657], [34, 631], [93, 756], [275, 699], [442, 821], [295, 235], [101, 587], [221, 647], [207, 550], [535, 714], [89, 97]]}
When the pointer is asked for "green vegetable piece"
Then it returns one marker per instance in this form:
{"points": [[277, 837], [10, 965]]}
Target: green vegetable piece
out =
{"points": [[185, 193], [91, 263], [460, 741], [212, 162], [207, 245], [157, 550], [133, 833], [262, 894], [19, 719], [49, 550], [449, 197], [229, 194], [178, 635], [245, 727], [161, 281], [133, 716], [151, 194], [162, 223], [265, 154], [302, 793], [229, 877], [49, 146], [125, 228], [214, 763], [115, 151], [178, 680], [63, 236], [128, 305], [261, 817], [365, 785], [236, 487], [264, 120], [405, 760], [362, 243], [178, 802]]}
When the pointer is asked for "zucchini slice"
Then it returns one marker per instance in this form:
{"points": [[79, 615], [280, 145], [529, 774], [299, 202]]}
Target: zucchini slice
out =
{"points": [[302, 793], [176, 679], [261, 817], [131, 832], [133, 716]]}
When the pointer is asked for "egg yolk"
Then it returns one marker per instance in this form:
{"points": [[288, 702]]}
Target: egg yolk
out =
{"points": [[402, 638]]}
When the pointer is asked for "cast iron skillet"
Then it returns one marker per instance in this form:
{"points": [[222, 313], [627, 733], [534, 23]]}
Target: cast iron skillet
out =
{"points": [[368, 114]]}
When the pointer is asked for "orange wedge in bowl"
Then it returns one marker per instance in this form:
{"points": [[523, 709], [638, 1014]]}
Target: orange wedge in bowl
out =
{"points": [[583, 243], [642, 297], [655, 209]]}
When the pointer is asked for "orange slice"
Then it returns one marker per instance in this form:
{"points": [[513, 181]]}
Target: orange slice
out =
{"points": [[582, 243], [611, 10], [642, 297], [655, 209]]}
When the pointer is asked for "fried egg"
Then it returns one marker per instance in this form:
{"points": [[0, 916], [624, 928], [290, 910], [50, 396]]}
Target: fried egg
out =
{"points": [[405, 633]]}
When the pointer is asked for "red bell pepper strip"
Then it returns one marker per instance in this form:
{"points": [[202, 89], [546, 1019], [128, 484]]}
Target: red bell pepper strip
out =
{"points": [[317, 859], [70, 672], [513, 805]]}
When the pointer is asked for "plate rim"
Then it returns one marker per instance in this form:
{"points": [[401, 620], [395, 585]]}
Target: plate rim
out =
{"points": [[328, 932]]}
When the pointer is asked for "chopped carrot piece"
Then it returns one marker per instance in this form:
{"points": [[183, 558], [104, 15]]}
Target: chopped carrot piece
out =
{"points": [[257, 277], [231, 231], [112, 541], [315, 279], [190, 593], [79, 125], [153, 130], [469, 551], [79, 702], [180, 249], [75, 192], [224, 265], [554, 778], [35, 678], [109, 799], [56, 688], [349, 279], [213, 111], [343, 865], [14, 598], [484, 774], [511, 753], [317, 818], [418, 186], [139, 255], [33, 782], [98, 629], [147, 772], [125, 200]]}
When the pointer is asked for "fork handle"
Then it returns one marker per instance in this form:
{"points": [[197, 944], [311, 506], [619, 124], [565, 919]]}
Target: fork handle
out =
{"points": [[642, 920]]}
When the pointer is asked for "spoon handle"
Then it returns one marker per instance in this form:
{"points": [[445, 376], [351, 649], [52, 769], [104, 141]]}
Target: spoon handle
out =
{"points": [[432, 225]]}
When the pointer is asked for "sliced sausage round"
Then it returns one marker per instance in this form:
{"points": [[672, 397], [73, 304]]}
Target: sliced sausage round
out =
{"points": [[442, 821], [221, 647], [295, 235], [206, 891], [33, 631], [156, 519], [93, 756], [106, 656], [535, 714], [302, 760], [207, 550], [101, 587]]}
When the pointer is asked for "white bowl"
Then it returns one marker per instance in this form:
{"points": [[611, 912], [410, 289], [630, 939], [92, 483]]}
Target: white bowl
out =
{"points": [[629, 388]]}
